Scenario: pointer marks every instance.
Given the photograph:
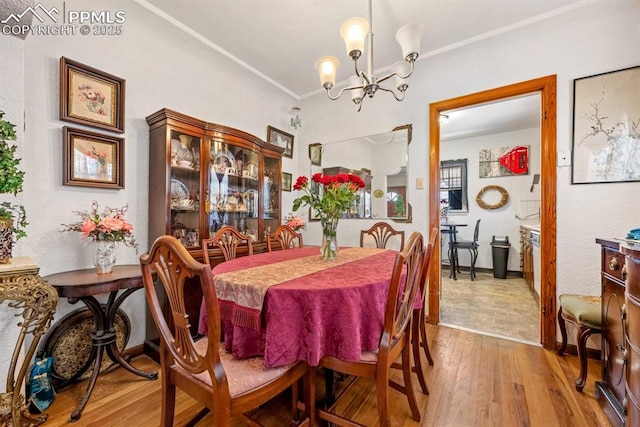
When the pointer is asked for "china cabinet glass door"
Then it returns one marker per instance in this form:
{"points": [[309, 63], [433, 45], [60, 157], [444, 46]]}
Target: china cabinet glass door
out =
{"points": [[271, 194], [185, 188], [233, 188]]}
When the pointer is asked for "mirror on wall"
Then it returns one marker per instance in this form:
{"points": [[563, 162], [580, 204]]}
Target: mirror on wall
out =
{"points": [[381, 161]]}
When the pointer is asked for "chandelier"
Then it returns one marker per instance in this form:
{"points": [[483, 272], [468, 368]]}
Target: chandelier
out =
{"points": [[355, 31]]}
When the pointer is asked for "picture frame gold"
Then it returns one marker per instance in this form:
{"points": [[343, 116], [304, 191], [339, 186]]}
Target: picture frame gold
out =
{"points": [[91, 97], [281, 139], [315, 154], [91, 159]]}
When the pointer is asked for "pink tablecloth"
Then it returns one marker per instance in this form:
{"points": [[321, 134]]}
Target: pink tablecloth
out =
{"points": [[337, 311]]}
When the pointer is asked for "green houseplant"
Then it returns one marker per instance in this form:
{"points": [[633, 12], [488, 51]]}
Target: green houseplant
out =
{"points": [[12, 217]]}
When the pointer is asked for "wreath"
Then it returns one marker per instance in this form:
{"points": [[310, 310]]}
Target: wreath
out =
{"points": [[503, 200]]}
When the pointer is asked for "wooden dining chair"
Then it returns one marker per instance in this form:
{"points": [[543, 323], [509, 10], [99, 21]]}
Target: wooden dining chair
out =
{"points": [[419, 323], [383, 236], [394, 341], [227, 387], [230, 241], [283, 238]]}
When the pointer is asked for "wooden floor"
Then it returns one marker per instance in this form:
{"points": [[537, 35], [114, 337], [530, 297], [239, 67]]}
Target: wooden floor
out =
{"points": [[477, 380]]}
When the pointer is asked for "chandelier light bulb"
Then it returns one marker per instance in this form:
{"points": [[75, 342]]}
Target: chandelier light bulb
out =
{"points": [[354, 32], [327, 66]]}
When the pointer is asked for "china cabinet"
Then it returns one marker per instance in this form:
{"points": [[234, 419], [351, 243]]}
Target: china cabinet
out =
{"points": [[203, 176]]}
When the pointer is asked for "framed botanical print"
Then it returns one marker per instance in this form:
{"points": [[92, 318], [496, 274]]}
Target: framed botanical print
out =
{"points": [[315, 154], [92, 159], [281, 139], [606, 127], [91, 97]]}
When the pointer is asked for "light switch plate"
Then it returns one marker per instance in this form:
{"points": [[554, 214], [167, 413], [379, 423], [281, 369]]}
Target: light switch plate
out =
{"points": [[564, 158], [419, 183]]}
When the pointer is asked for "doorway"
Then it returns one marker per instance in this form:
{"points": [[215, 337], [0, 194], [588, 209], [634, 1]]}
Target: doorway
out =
{"points": [[546, 87]]}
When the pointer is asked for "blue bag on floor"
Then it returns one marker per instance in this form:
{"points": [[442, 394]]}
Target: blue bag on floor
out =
{"points": [[40, 390]]}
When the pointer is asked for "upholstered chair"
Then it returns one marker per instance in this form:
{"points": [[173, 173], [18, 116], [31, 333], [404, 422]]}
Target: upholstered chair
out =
{"points": [[225, 386], [394, 341]]}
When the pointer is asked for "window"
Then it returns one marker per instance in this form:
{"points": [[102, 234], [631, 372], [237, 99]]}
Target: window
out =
{"points": [[453, 184]]}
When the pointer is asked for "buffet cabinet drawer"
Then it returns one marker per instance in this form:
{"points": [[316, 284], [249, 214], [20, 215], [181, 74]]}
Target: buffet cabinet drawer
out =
{"points": [[613, 338], [613, 263]]}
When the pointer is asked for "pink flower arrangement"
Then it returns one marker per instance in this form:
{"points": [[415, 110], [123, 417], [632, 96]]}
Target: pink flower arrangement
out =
{"points": [[295, 222], [108, 225]]}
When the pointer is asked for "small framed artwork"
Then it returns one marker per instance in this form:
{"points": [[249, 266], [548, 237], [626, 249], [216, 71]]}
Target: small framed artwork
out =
{"points": [[92, 159], [286, 181], [606, 137], [315, 154], [91, 97], [281, 139], [504, 161]]}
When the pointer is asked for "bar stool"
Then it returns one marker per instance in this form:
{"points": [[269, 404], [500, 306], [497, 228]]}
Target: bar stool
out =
{"points": [[585, 313]]}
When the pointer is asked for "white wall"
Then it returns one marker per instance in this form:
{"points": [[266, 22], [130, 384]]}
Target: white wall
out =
{"points": [[163, 67], [502, 221], [601, 36]]}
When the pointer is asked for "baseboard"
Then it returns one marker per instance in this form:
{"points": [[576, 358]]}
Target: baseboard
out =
{"points": [[511, 274], [592, 353]]}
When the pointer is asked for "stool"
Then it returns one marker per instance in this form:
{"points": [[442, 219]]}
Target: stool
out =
{"points": [[586, 314]]}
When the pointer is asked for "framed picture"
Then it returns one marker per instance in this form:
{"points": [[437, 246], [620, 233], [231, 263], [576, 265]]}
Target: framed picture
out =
{"points": [[92, 159], [315, 154], [91, 97], [286, 181], [606, 127], [281, 139], [504, 161]]}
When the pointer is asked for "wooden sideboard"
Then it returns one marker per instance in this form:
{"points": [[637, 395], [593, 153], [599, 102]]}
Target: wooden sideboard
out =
{"points": [[632, 329], [610, 389]]}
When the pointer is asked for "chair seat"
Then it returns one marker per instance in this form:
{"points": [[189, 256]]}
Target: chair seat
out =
{"points": [[465, 244], [242, 374], [585, 309]]}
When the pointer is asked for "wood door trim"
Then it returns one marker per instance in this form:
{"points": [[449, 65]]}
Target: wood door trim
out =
{"points": [[546, 87]]}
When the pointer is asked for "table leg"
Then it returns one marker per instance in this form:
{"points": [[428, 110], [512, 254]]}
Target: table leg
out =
{"points": [[112, 349], [103, 339]]}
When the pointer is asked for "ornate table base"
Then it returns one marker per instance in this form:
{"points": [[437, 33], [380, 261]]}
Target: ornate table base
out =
{"points": [[83, 285], [35, 301]]}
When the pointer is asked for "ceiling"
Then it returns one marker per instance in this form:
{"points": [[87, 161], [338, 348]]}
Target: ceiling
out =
{"points": [[281, 40]]}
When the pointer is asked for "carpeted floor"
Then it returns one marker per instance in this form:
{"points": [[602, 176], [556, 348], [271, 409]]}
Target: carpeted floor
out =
{"points": [[499, 307]]}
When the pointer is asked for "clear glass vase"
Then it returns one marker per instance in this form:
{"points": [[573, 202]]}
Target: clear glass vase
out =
{"points": [[329, 247], [105, 256]]}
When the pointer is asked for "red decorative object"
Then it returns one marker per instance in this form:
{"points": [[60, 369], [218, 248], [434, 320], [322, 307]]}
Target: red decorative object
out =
{"points": [[516, 160]]}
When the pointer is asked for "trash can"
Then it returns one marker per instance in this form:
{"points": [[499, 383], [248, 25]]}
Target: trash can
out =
{"points": [[500, 254]]}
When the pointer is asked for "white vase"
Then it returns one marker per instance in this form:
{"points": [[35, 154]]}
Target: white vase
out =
{"points": [[105, 256]]}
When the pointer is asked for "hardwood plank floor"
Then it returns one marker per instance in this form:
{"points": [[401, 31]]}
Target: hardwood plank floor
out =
{"points": [[477, 380]]}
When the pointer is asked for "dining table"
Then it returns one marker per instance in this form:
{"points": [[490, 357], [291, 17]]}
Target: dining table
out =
{"points": [[451, 228], [293, 305]]}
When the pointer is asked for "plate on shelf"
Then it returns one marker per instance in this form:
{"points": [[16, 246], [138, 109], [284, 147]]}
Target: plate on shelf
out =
{"points": [[222, 161], [179, 191]]}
